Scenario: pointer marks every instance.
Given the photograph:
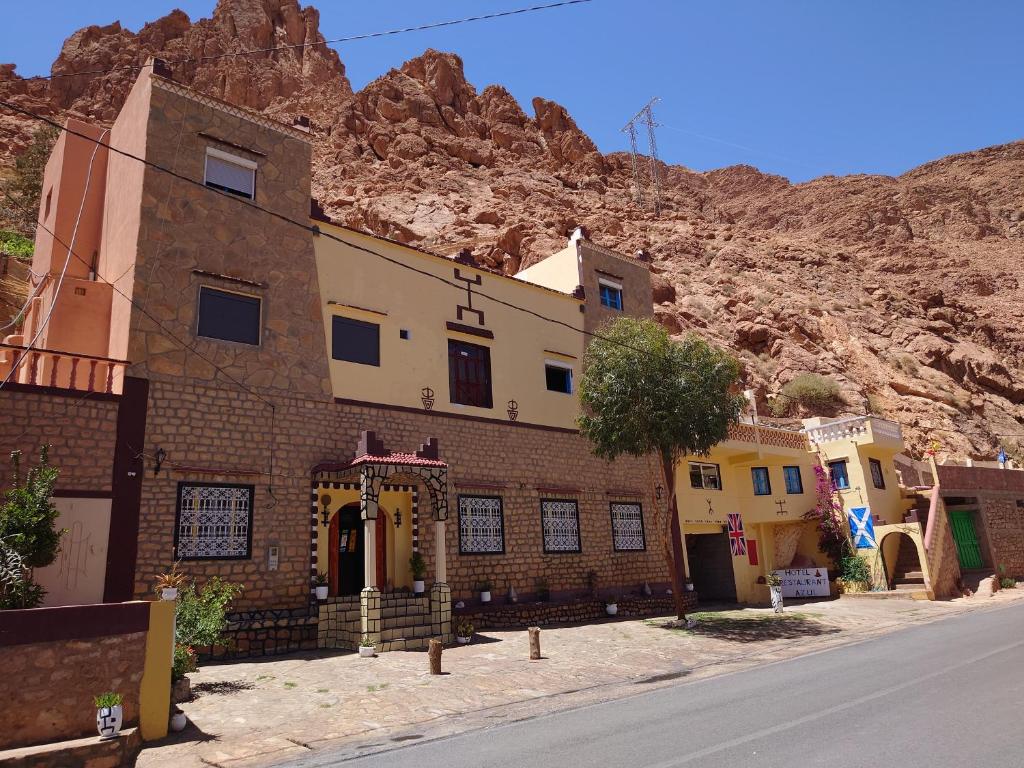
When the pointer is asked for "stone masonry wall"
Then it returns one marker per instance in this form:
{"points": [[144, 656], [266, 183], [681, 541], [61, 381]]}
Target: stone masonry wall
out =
{"points": [[1004, 522], [523, 615], [31, 711], [81, 433]]}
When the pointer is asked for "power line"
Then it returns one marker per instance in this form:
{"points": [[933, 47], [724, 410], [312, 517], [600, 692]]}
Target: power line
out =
{"points": [[349, 39]]}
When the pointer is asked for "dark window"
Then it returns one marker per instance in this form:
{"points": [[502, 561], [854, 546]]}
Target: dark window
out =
{"points": [[214, 522], [627, 527], [762, 485], [611, 296], [469, 374], [840, 477], [481, 525], [705, 476], [794, 483], [403, 334], [559, 379], [228, 316], [877, 478], [355, 341]]}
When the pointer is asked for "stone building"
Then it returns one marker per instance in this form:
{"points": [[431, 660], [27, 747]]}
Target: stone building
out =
{"points": [[295, 401]]}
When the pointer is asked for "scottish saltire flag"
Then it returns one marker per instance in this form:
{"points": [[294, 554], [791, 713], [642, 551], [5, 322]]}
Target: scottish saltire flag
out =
{"points": [[737, 540], [862, 527]]}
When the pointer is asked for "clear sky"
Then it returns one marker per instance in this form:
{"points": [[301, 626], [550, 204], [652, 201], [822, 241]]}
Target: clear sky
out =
{"points": [[796, 87]]}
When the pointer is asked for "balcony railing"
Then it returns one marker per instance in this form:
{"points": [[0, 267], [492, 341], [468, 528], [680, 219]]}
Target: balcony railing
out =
{"points": [[857, 427], [768, 436], [62, 370]]}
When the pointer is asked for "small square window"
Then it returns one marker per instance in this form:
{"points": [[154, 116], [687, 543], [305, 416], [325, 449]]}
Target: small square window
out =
{"points": [[234, 175], [559, 378], [840, 477], [403, 334], [228, 316], [877, 478], [355, 341], [611, 295], [762, 483], [794, 483], [705, 476]]}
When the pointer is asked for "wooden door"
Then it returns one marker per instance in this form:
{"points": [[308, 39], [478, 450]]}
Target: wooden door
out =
{"points": [[967, 546]]}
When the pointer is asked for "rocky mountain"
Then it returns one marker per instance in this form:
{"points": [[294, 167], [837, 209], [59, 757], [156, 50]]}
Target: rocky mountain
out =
{"points": [[903, 290]]}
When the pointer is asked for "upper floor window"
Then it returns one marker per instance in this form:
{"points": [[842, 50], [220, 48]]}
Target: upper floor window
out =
{"points": [[469, 374], [228, 316], [794, 483], [877, 478], [611, 294], [559, 378], [230, 173], [355, 341], [706, 476], [840, 477], [762, 483]]}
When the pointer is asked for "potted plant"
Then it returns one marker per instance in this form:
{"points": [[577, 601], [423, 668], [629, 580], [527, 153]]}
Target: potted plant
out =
{"points": [[366, 649], [774, 582], [109, 715], [611, 605], [689, 586], [320, 586], [543, 590], [168, 584], [184, 662], [464, 631], [418, 566], [178, 720], [484, 588]]}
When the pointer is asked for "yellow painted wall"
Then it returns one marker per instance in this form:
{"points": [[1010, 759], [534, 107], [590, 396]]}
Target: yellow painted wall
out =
{"points": [[368, 288], [560, 270], [399, 542], [155, 688]]}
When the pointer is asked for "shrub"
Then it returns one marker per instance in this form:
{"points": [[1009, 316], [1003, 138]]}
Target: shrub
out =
{"points": [[418, 566], [15, 244], [1007, 583], [812, 392], [200, 618], [184, 661], [855, 569], [906, 363]]}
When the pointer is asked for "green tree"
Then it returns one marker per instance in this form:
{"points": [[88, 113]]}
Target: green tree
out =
{"points": [[26, 184], [644, 394], [27, 530]]}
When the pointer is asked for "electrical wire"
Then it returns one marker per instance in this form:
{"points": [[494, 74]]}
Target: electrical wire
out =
{"points": [[349, 39]]}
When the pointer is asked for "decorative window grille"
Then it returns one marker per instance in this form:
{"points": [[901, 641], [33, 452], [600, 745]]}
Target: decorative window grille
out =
{"points": [[877, 477], [560, 521], [481, 525], [214, 522], [627, 527]]}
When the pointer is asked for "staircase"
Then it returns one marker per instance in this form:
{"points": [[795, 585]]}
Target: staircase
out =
{"points": [[907, 576], [405, 622]]}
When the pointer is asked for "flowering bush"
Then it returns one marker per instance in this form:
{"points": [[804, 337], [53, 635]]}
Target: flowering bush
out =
{"points": [[829, 519], [184, 661]]}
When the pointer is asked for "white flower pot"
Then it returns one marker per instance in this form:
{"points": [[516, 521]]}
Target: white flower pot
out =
{"points": [[321, 592], [418, 587], [108, 721], [485, 597], [178, 722], [169, 593], [463, 640], [689, 586], [366, 651], [776, 598], [611, 609]]}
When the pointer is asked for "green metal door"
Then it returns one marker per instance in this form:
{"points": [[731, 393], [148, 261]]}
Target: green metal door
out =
{"points": [[966, 539]]}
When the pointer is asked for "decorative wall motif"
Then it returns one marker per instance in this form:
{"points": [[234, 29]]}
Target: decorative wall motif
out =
{"points": [[467, 308], [560, 521], [481, 525], [628, 527], [786, 539], [214, 521], [427, 397], [513, 410]]}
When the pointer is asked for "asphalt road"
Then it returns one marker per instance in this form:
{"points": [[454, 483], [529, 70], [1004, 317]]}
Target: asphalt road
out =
{"points": [[944, 695]]}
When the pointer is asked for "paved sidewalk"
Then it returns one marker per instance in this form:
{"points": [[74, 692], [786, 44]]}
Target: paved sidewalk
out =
{"points": [[276, 710]]}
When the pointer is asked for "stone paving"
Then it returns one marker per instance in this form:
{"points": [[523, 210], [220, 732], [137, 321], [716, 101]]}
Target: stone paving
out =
{"points": [[272, 711]]}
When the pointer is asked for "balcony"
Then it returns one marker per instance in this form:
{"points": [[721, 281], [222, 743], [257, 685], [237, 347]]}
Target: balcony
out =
{"points": [[768, 437], [859, 429], [62, 370]]}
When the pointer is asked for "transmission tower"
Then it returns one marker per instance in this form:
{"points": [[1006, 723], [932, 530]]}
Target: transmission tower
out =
{"points": [[645, 117]]}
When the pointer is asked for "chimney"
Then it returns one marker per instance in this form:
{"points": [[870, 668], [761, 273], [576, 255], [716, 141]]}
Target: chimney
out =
{"points": [[579, 233], [161, 68], [643, 256], [302, 123]]}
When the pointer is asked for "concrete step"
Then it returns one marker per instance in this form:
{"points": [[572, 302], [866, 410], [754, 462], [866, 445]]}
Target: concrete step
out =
{"points": [[910, 576], [896, 594], [395, 622], [394, 613], [406, 633]]}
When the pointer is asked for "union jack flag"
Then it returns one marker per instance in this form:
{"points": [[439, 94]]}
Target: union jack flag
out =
{"points": [[737, 540]]}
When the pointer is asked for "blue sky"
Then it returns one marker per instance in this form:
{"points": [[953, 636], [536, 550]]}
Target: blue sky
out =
{"points": [[796, 87]]}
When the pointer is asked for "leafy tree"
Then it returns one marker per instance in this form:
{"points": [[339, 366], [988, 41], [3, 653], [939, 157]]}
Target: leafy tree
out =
{"points": [[26, 184], [644, 394], [199, 620], [27, 518]]}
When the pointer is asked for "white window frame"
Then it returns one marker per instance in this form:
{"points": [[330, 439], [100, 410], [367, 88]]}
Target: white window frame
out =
{"points": [[563, 366], [703, 465], [242, 162], [611, 284]]}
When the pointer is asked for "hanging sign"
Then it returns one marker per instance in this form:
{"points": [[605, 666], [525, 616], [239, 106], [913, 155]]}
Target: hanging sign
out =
{"points": [[804, 582]]}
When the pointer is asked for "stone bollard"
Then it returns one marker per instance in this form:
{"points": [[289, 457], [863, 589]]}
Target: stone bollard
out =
{"points": [[434, 652], [534, 643]]}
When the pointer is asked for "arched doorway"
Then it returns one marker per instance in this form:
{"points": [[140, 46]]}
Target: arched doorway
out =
{"points": [[901, 562]]}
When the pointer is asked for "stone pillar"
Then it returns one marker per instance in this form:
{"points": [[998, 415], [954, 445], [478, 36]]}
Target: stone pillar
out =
{"points": [[370, 614], [370, 552], [440, 553], [441, 612]]}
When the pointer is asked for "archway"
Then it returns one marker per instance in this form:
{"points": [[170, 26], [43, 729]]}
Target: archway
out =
{"points": [[346, 556], [901, 562]]}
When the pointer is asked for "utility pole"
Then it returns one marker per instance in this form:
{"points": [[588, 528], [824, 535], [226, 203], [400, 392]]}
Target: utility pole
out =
{"points": [[645, 117]]}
